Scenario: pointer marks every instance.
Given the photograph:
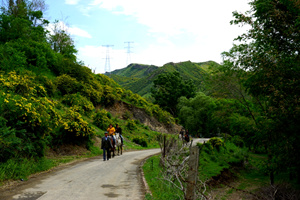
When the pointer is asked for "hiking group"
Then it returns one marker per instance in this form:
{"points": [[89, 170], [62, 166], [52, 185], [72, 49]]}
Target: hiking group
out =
{"points": [[184, 135], [112, 138]]}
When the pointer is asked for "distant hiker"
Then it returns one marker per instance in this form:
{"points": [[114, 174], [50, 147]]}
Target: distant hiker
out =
{"points": [[119, 130], [186, 136], [106, 146], [181, 133]]}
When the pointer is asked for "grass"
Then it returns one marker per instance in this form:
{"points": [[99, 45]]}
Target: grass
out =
{"points": [[160, 189], [22, 168], [211, 162]]}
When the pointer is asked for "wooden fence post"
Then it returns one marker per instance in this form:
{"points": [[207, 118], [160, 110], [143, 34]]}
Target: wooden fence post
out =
{"points": [[192, 173], [164, 153]]}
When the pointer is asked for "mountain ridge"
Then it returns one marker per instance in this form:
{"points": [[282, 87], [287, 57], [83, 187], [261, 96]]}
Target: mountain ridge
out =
{"points": [[139, 78]]}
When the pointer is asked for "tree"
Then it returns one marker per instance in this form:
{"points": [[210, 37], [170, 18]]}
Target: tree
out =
{"points": [[269, 53], [168, 88], [22, 20], [61, 42], [195, 114]]}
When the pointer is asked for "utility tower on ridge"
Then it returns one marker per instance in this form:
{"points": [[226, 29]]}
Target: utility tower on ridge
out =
{"points": [[128, 61], [107, 58]]}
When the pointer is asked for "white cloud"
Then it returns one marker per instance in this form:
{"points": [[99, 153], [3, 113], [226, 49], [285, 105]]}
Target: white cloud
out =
{"points": [[79, 32], [175, 17], [71, 30], [205, 24], [72, 2]]}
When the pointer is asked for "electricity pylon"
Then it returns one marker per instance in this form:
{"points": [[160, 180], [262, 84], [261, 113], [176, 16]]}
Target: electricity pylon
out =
{"points": [[128, 61], [107, 58]]}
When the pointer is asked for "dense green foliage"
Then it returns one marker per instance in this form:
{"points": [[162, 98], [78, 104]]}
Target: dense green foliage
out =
{"points": [[267, 64], [47, 97], [168, 88], [212, 161]]}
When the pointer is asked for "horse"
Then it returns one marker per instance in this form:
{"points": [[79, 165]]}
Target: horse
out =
{"points": [[113, 143], [180, 137], [119, 143]]}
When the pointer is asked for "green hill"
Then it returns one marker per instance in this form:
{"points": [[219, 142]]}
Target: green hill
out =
{"points": [[49, 100], [139, 78]]}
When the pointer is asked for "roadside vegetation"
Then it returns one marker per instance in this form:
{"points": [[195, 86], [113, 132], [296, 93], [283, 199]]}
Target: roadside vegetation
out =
{"points": [[49, 100], [213, 160], [228, 171]]}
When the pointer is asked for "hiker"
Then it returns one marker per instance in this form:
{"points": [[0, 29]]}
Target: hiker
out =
{"points": [[106, 146], [111, 131]]}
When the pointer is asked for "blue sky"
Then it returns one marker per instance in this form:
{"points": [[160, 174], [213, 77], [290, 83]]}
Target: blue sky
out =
{"points": [[162, 31]]}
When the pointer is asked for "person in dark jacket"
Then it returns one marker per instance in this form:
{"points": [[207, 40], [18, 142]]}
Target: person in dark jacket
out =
{"points": [[106, 146]]}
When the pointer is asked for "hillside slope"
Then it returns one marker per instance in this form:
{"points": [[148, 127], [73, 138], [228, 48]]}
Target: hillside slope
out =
{"points": [[139, 78]]}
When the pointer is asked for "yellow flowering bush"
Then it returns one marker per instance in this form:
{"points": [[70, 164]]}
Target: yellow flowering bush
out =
{"points": [[34, 118], [74, 128], [94, 94], [84, 105], [22, 84]]}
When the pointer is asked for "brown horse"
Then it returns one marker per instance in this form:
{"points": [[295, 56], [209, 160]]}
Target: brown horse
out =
{"points": [[112, 150]]}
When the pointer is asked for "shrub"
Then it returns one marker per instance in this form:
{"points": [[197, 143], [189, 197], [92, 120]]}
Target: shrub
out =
{"points": [[67, 84], [34, 118], [94, 94], [140, 140], [131, 125], [101, 119], [216, 142], [108, 97], [74, 128], [238, 141], [48, 84], [9, 142], [22, 84], [127, 115], [10, 57], [83, 103]]}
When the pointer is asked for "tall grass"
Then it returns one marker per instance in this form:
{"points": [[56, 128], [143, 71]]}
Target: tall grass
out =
{"points": [[22, 168], [211, 162], [153, 174]]}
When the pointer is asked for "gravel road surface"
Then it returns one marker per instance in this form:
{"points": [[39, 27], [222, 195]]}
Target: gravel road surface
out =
{"points": [[118, 178], [93, 179]]}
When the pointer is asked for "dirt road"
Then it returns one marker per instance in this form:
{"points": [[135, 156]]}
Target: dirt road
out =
{"points": [[118, 178]]}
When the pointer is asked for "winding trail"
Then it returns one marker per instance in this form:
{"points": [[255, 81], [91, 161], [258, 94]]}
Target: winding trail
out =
{"points": [[118, 178]]}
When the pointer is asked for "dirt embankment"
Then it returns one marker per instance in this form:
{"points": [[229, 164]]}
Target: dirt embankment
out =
{"points": [[122, 109]]}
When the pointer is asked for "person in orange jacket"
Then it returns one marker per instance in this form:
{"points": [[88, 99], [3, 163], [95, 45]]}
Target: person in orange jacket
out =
{"points": [[111, 131]]}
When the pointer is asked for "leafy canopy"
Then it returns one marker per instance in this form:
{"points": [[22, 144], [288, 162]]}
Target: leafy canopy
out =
{"points": [[269, 53], [168, 88]]}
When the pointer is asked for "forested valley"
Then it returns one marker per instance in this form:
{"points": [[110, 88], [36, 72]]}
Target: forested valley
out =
{"points": [[50, 99]]}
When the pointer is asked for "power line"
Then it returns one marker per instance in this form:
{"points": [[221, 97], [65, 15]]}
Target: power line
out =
{"points": [[107, 58], [128, 61]]}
